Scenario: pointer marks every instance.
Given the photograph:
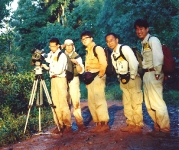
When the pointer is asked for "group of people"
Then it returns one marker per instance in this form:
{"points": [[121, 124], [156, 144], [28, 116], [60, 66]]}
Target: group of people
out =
{"points": [[126, 66]]}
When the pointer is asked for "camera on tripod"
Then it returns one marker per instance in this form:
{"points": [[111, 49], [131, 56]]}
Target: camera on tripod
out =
{"points": [[37, 58]]}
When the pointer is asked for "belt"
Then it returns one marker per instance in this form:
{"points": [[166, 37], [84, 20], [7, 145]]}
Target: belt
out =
{"points": [[149, 70], [54, 76]]}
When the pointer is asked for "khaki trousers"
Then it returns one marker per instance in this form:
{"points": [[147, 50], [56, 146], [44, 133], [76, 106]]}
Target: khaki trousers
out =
{"points": [[154, 102], [74, 95], [96, 100], [132, 100], [59, 98]]}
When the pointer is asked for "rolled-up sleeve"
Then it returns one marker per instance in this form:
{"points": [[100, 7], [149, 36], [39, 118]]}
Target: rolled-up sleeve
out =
{"points": [[80, 62]]}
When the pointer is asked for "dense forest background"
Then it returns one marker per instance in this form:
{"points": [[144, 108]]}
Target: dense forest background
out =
{"points": [[36, 21]]}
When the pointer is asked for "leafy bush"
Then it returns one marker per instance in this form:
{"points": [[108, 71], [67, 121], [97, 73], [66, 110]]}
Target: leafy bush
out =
{"points": [[12, 126]]}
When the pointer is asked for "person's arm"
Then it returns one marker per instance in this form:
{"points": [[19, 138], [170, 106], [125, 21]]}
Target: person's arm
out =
{"points": [[157, 54], [79, 65], [132, 60], [59, 66], [102, 60]]}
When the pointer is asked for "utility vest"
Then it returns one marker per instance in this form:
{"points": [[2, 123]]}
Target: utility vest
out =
{"points": [[74, 56], [147, 56], [91, 62]]}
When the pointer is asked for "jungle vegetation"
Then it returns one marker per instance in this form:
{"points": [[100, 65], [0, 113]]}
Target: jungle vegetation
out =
{"points": [[36, 21]]}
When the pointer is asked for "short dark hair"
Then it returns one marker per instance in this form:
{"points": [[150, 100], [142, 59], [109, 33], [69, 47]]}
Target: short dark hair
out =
{"points": [[88, 33], [111, 33], [141, 23], [54, 40]]}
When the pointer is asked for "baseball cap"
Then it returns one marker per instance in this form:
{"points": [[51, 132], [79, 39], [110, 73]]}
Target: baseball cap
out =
{"points": [[68, 41]]}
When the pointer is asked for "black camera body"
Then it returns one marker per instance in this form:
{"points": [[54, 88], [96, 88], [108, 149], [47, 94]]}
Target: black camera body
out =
{"points": [[37, 57]]}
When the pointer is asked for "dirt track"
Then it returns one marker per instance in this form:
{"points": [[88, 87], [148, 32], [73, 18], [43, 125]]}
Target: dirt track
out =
{"points": [[112, 140]]}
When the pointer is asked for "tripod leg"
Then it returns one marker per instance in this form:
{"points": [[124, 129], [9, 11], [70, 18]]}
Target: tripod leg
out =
{"points": [[50, 103], [34, 89], [39, 103]]}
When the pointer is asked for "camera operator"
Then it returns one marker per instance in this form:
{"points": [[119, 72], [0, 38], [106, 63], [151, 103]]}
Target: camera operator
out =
{"points": [[57, 73]]}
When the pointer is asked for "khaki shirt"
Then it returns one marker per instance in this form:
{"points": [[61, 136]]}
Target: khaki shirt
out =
{"points": [[152, 54]]}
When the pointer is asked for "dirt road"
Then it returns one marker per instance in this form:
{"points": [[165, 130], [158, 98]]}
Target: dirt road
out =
{"points": [[112, 140]]}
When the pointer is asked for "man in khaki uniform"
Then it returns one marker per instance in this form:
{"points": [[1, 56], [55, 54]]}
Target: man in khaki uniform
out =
{"points": [[132, 94], [153, 79], [96, 94], [74, 84], [57, 73]]}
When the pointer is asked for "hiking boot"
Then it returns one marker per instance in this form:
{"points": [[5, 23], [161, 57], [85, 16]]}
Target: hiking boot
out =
{"points": [[98, 126], [67, 129], [55, 131], [156, 127], [128, 128], [137, 129], [104, 128]]}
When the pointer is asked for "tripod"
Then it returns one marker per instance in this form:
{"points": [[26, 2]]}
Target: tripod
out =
{"points": [[39, 102]]}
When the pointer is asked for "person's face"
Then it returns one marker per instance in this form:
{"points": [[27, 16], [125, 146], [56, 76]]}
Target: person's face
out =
{"points": [[111, 41], [53, 47], [86, 40], [69, 48], [141, 32]]}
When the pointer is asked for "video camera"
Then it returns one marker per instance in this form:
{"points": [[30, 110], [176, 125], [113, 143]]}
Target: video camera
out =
{"points": [[37, 58]]}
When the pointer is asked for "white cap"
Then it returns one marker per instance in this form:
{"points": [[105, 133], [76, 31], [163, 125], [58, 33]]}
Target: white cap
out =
{"points": [[68, 41]]}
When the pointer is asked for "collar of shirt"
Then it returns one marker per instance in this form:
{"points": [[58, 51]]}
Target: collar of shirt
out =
{"points": [[56, 53], [69, 54], [116, 53], [145, 39], [90, 47]]}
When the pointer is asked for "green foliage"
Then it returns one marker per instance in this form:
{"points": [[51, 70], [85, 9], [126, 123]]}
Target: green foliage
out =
{"points": [[3, 11], [12, 126], [15, 90], [171, 97], [83, 91], [35, 22], [113, 91]]}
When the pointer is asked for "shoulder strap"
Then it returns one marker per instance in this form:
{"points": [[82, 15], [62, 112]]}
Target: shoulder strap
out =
{"points": [[148, 41], [149, 38], [120, 50], [94, 51], [121, 54], [59, 55]]}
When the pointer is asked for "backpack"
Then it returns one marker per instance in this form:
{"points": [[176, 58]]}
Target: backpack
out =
{"points": [[138, 56], [110, 70], [169, 63], [70, 66]]}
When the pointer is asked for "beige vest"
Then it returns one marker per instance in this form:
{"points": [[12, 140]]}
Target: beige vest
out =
{"points": [[91, 62], [74, 54]]}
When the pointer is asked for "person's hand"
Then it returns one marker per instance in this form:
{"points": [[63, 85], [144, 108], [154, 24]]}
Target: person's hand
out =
{"points": [[132, 77], [100, 75], [62, 46], [45, 66], [74, 61], [157, 76]]}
